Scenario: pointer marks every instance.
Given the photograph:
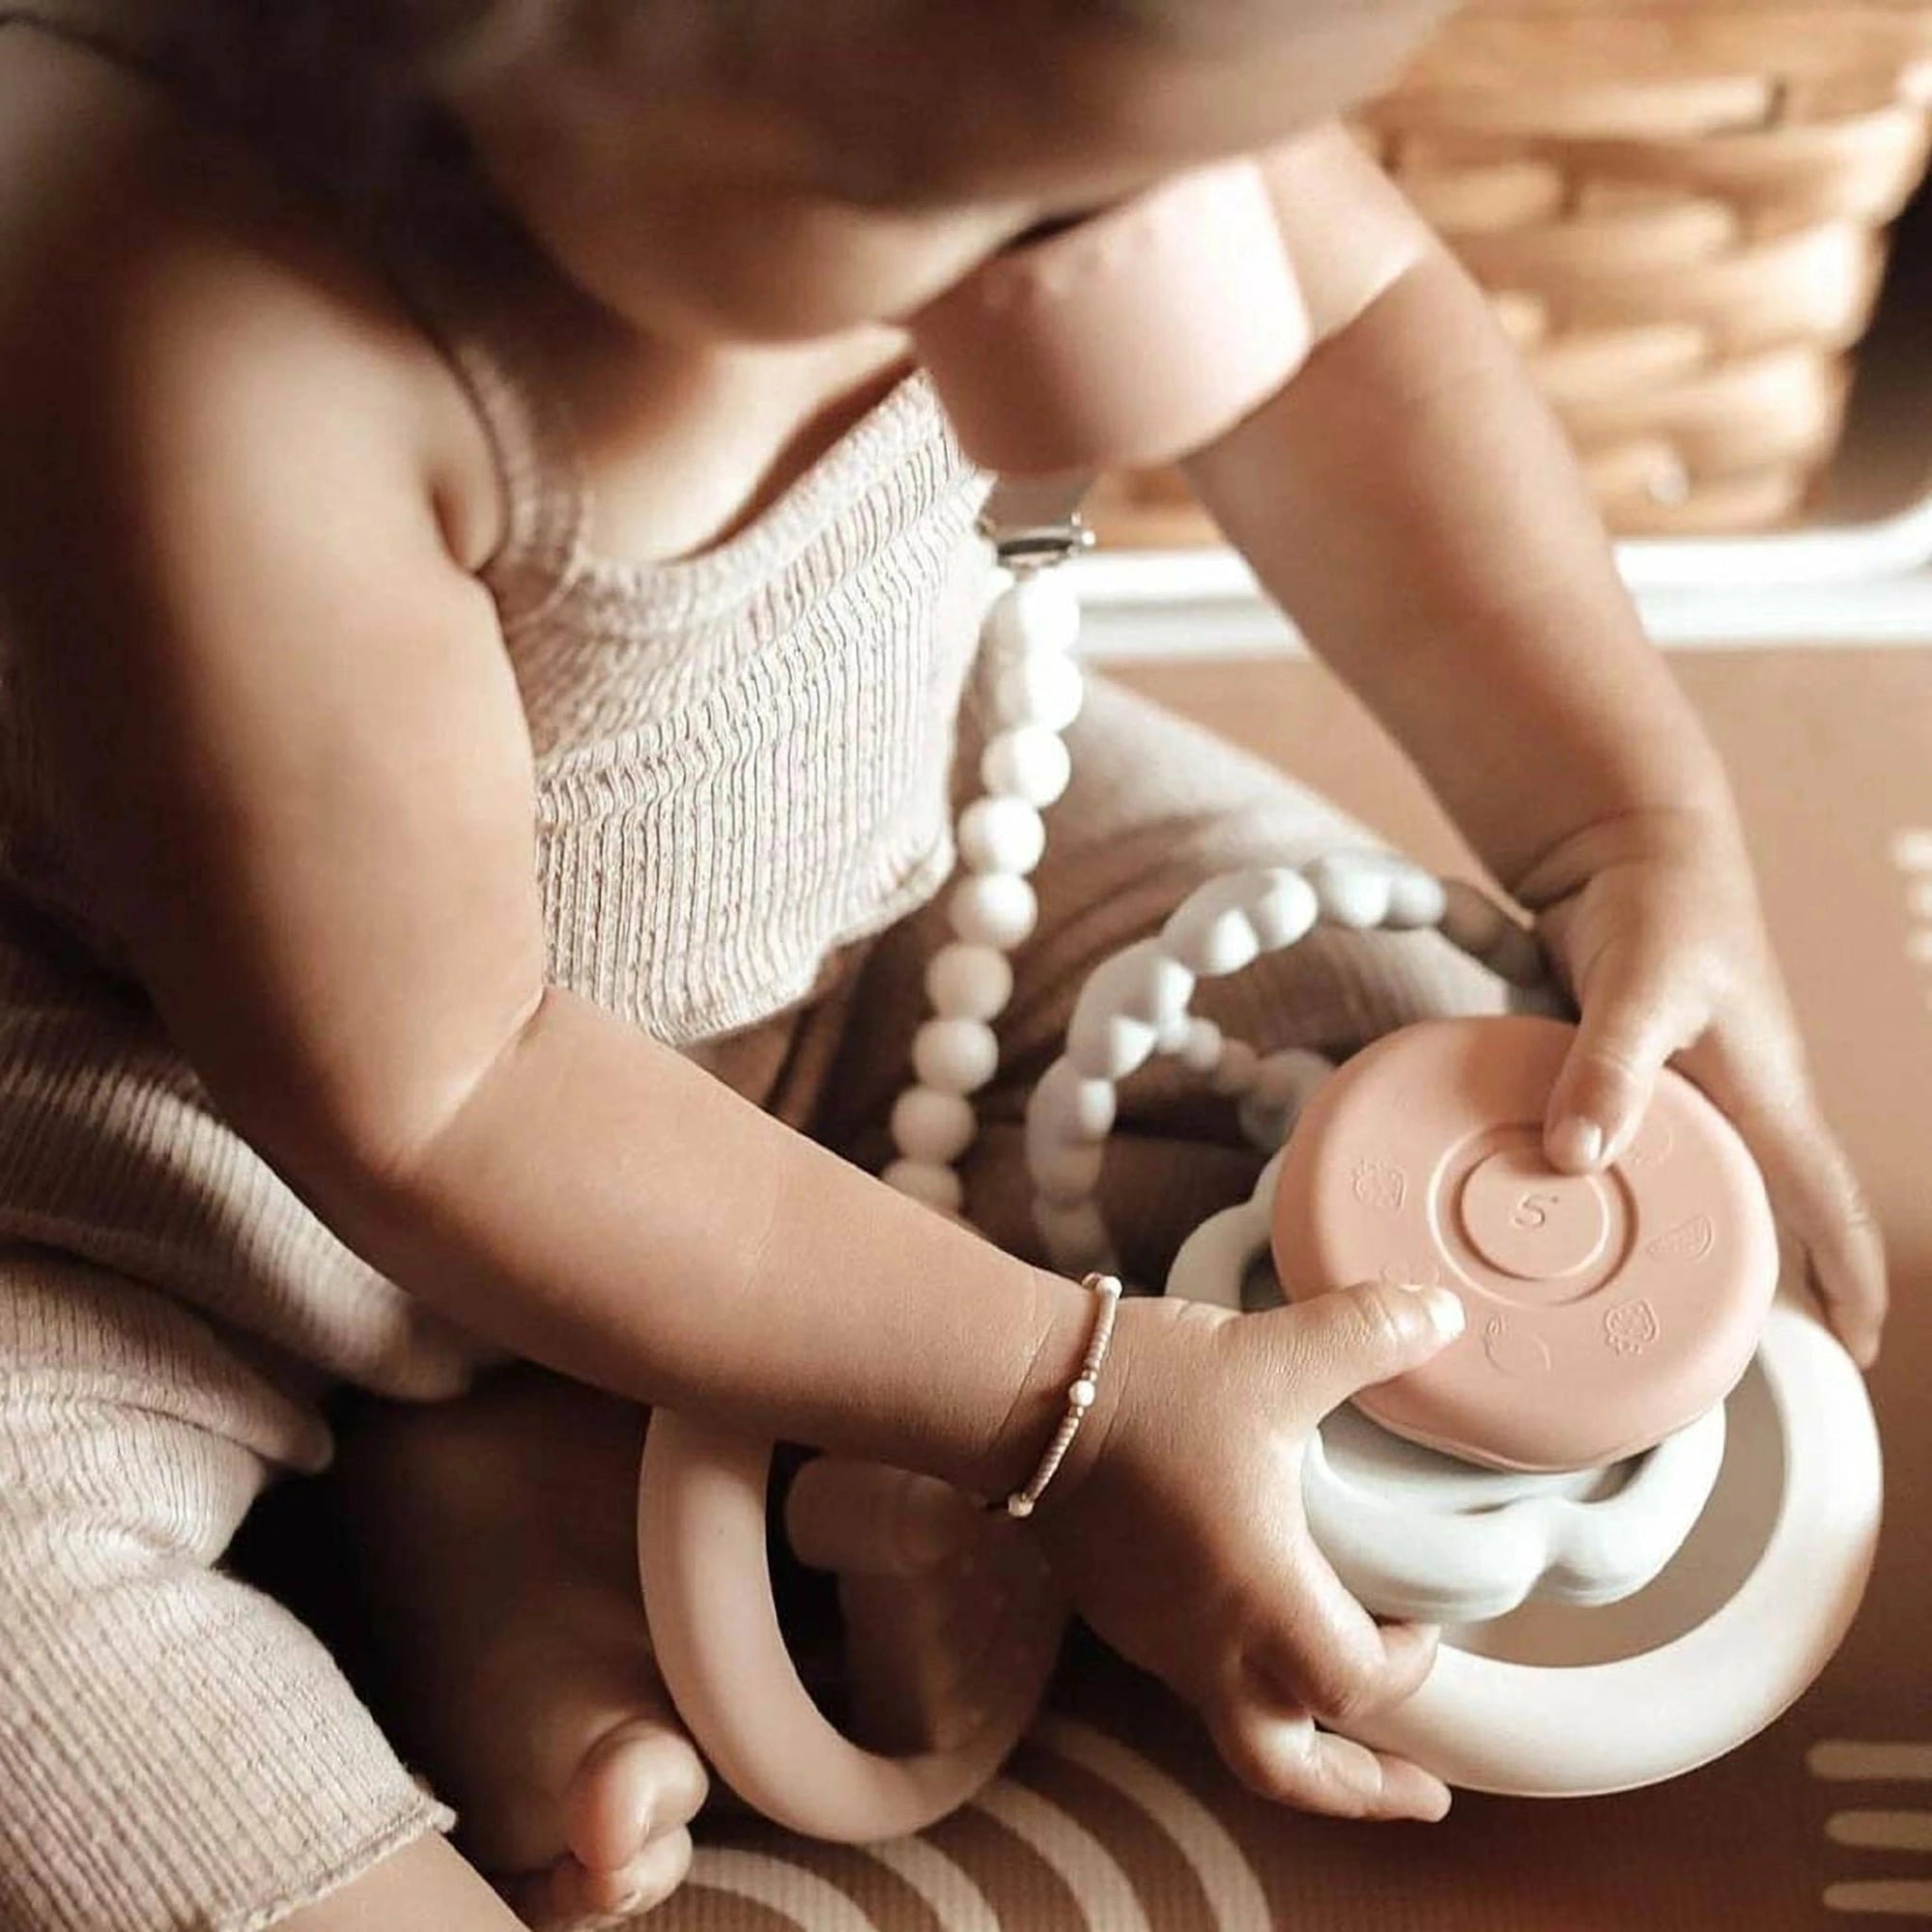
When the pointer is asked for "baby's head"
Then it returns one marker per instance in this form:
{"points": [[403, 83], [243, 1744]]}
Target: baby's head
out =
{"points": [[777, 169]]}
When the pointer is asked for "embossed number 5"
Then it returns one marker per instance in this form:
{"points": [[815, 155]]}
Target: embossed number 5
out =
{"points": [[1532, 1210]]}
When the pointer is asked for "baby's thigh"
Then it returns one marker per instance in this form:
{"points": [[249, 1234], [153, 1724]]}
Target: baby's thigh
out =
{"points": [[147, 1701], [1157, 807]]}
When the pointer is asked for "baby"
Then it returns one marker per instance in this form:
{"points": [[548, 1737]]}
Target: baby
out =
{"points": [[488, 612]]}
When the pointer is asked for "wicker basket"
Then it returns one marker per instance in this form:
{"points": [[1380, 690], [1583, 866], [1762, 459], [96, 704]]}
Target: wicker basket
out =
{"points": [[1679, 208]]}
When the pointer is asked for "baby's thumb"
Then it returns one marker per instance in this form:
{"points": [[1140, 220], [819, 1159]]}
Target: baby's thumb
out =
{"points": [[1372, 1333]]}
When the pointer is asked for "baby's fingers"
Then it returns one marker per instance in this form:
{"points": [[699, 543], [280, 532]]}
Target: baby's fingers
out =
{"points": [[1357, 1337], [1329, 1655], [1282, 1755], [1813, 1190], [1635, 1017], [1826, 1211]]}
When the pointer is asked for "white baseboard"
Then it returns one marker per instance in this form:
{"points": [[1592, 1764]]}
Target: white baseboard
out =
{"points": [[1808, 588]]}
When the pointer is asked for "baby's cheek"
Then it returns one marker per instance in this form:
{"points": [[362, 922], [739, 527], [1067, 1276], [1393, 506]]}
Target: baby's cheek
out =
{"points": [[752, 264]]}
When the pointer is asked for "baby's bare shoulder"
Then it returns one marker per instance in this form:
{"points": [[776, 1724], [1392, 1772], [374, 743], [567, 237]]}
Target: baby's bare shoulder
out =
{"points": [[260, 676], [172, 313]]}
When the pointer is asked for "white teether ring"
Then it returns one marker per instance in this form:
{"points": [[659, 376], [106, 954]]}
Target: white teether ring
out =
{"points": [[1666, 1700]]}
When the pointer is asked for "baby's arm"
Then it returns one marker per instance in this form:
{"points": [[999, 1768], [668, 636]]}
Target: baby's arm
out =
{"points": [[288, 741], [1412, 501]]}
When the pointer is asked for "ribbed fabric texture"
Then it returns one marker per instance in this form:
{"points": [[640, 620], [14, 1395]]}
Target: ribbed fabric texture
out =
{"points": [[177, 1753], [743, 762]]}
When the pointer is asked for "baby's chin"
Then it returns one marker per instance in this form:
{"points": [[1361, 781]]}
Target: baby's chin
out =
{"points": [[782, 281]]}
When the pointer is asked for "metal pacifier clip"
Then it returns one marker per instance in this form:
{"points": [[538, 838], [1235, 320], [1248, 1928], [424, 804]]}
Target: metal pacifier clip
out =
{"points": [[1640, 1491]]}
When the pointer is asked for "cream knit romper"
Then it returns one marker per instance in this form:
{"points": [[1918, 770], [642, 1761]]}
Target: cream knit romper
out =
{"points": [[743, 818]]}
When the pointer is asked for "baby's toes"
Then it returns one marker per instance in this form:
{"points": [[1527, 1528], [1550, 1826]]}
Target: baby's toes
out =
{"points": [[625, 1812], [569, 1897], [642, 1780]]}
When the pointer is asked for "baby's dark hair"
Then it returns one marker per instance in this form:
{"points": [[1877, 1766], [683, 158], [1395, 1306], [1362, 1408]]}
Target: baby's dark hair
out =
{"points": [[381, 64], [448, 34]]}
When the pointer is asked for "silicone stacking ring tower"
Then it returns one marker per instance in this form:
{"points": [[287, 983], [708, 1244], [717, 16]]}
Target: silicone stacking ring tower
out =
{"points": [[1606, 1310]]}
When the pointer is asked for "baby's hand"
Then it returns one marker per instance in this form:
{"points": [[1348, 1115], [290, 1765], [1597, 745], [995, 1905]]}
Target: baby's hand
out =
{"points": [[1181, 1539], [1660, 941]]}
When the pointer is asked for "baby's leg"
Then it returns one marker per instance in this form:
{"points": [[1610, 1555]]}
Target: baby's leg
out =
{"points": [[175, 1749], [494, 1559], [1156, 806]]}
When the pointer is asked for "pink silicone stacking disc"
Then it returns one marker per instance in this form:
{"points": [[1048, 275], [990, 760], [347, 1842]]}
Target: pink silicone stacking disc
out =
{"points": [[1605, 1311]]}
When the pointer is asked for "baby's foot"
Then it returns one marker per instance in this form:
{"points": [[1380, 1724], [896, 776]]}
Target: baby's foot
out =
{"points": [[496, 1543]]}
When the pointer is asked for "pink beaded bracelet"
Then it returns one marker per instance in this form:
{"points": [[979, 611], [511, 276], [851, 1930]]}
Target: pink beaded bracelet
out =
{"points": [[1080, 1396]]}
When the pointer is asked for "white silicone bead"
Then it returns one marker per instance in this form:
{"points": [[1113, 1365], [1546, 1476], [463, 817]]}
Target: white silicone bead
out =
{"points": [[1483, 929], [969, 982], [955, 1056], [1288, 1080], [1076, 1238], [1283, 906], [931, 1127], [1111, 1046], [1171, 1037], [1002, 834], [1218, 946], [1038, 613], [1040, 690], [1123, 1009], [1353, 887], [1051, 1132], [1142, 982], [1227, 923], [1070, 1107], [1066, 1174], [1200, 1050], [1211, 933], [1239, 1069], [936, 1186], [1029, 763], [1267, 1127], [1911, 850], [993, 909], [1416, 898]]}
